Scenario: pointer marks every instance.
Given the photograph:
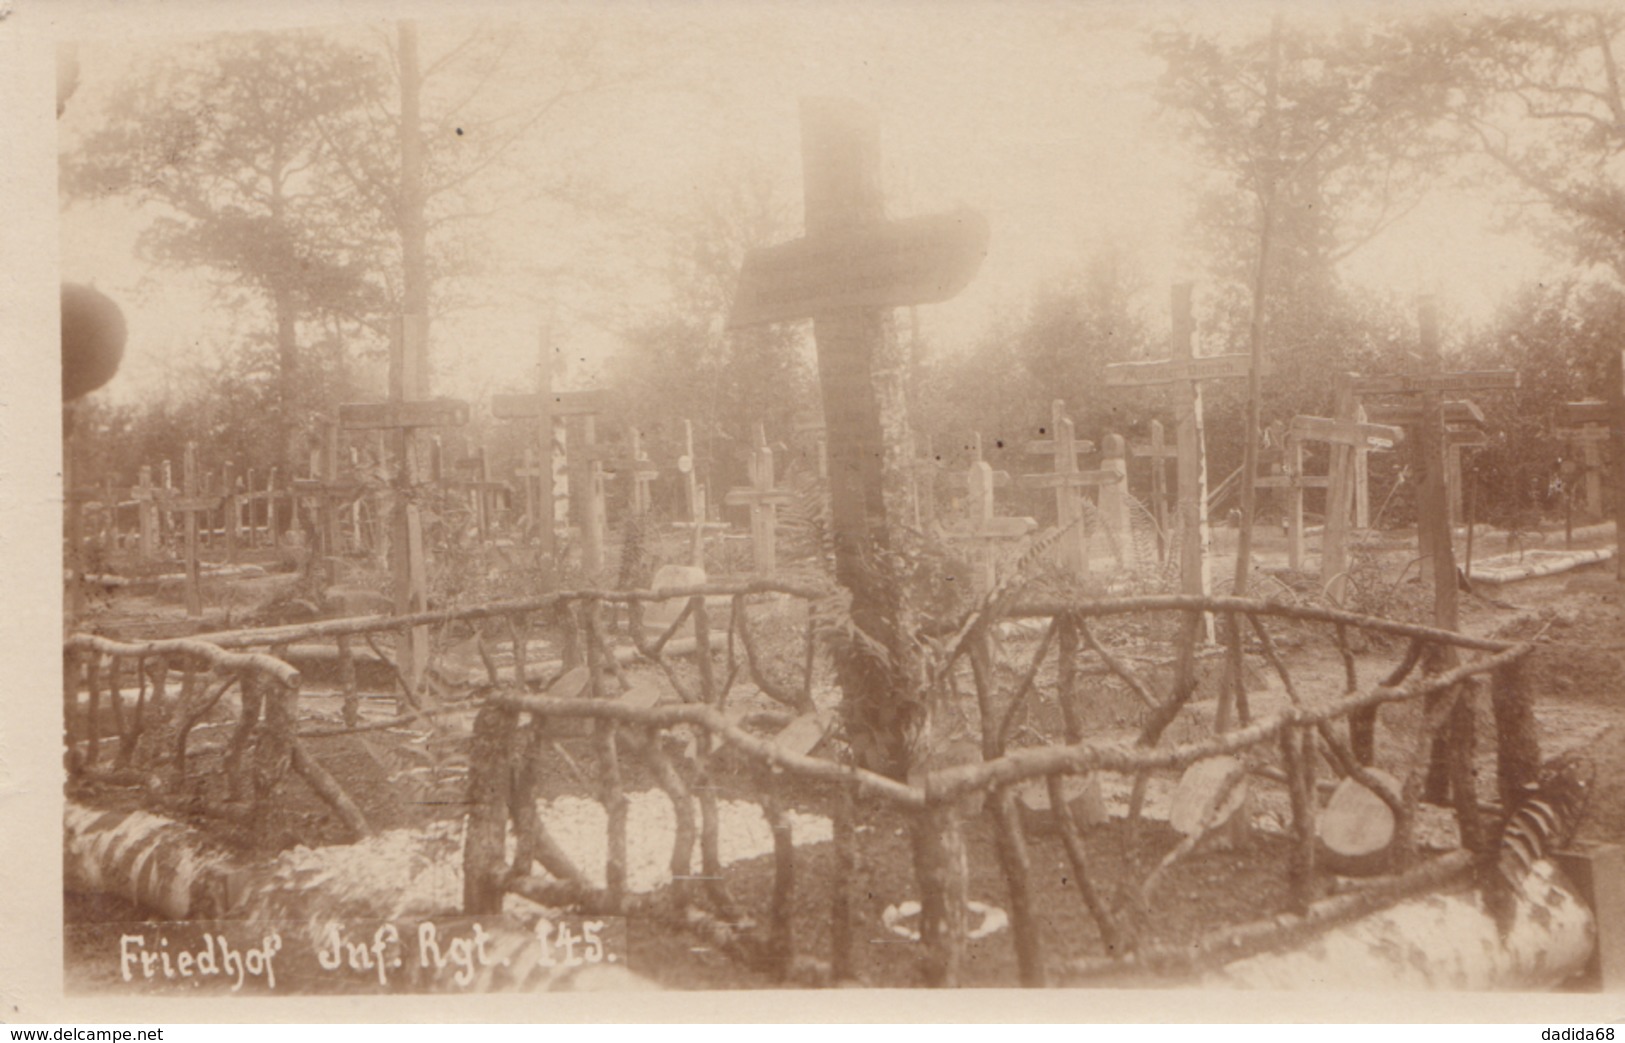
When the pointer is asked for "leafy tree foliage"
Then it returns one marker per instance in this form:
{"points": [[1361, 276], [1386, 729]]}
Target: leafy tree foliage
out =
{"points": [[1539, 92], [227, 142]]}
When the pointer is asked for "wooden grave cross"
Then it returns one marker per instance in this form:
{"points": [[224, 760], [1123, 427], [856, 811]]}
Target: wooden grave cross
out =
{"points": [[1457, 441], [191, 502], [1159, 452], [1114, 500], [1186, 371], [1458, 415], [635, 464], [984, 529], [475, 481], [1434, 529], [1303, 429], [1412, 414], [166, 519], [147, 497], [852, 266], [233, 505], [764, 500], [544, 409], [108, 532], [694, 494], [534, 474], [1068, 481], [1585, 424], [325, 489], [403, 416]]}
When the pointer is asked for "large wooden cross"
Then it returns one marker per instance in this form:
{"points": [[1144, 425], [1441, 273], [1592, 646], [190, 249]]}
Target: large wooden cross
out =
{"points": [[1068, 481], [1434, 531], [1425, 411], [402, 416], [1186, 372], [853, 266], [764, 500]]}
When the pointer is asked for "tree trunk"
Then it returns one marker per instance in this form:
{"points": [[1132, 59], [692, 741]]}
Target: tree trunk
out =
{"points": [[862, 370]]}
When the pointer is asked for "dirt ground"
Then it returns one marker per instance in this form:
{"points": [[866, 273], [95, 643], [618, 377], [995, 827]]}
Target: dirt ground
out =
{"points": [[1576, 619]]}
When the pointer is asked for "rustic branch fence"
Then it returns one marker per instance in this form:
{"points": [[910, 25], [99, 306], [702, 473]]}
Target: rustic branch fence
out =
{"points": [[514, 725]]}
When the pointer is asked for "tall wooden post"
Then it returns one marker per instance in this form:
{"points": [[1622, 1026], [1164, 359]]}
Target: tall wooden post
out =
{"points": [[400, 417], [1185, 372]]}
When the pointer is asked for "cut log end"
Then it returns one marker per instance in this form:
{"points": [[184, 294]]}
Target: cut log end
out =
{"points": [[1212, 799], [1357, 829]]}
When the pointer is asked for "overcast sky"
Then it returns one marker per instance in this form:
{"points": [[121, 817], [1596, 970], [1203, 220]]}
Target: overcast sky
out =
{"points": [[1039, 115]]}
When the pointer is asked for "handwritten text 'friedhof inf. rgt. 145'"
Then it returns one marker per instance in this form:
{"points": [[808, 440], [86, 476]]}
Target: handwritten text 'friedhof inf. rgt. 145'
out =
{"points": [[426, 956]]}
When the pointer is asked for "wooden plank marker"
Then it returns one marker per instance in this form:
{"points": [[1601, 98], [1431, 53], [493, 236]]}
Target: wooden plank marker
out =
{"points": [[1114, 509], [147, 496], [1068, 481], [983, 528], [1159, 453], [923, 473], [764, 500], [694, 495], [1185, 372]]}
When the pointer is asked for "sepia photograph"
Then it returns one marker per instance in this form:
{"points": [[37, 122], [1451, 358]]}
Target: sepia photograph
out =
{"points": [[707, 498]]}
